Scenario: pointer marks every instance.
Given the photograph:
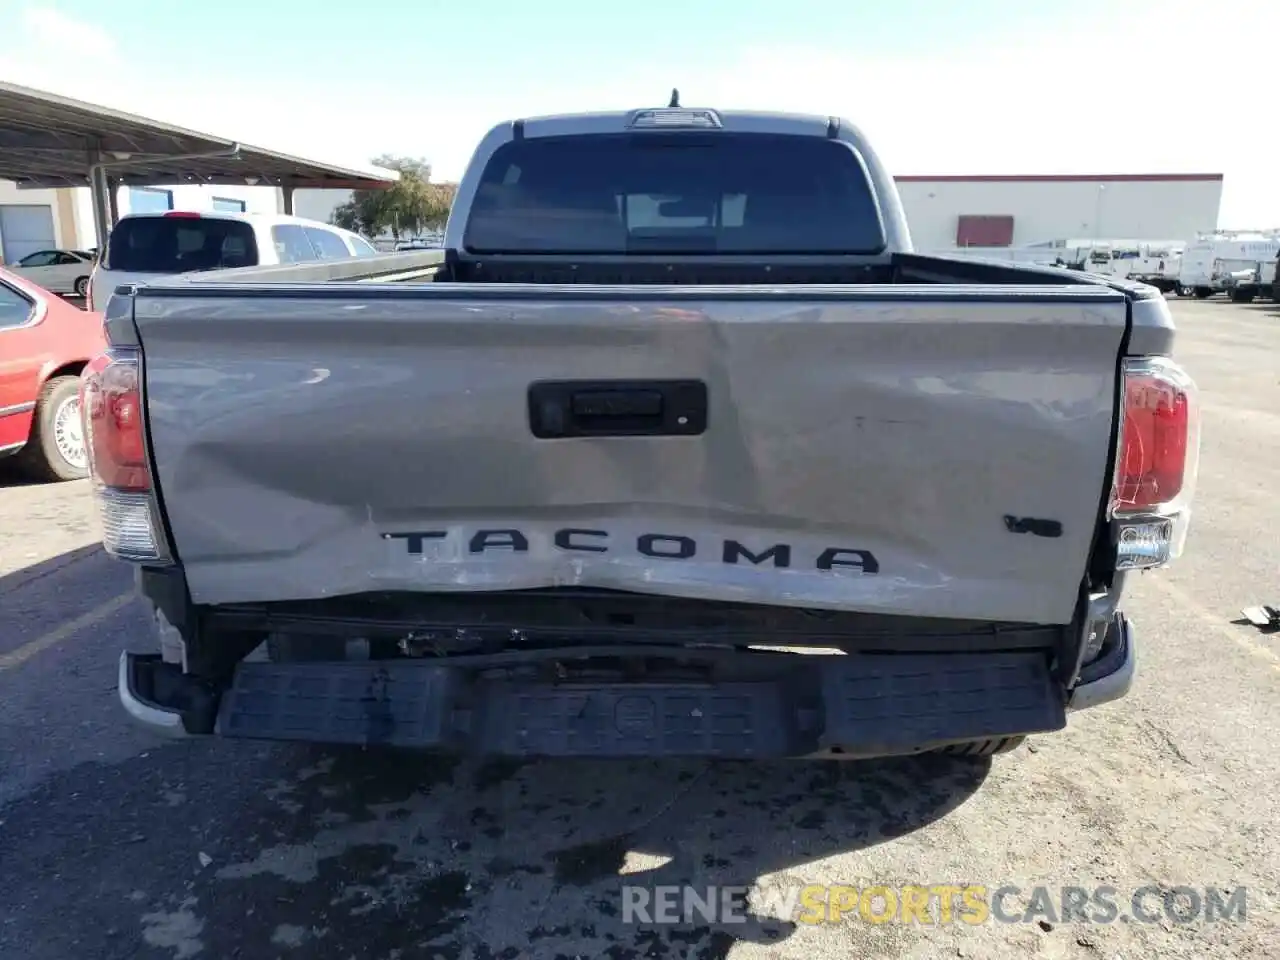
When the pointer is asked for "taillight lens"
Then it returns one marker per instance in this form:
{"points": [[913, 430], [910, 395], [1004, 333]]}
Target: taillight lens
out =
{"points": [[1153, 447], [112, 415], [112, 405], [1157, 463]]}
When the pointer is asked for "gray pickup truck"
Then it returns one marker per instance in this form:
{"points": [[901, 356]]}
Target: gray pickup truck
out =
{"points": [[677, 449]]}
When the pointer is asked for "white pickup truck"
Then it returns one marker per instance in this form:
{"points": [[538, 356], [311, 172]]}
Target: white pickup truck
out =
{"points": [[677, 449]]}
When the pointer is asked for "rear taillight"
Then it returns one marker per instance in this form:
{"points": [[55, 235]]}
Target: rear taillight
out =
{"points": [[112, 405], [183, 214], [115, 437], [1157, 463]]}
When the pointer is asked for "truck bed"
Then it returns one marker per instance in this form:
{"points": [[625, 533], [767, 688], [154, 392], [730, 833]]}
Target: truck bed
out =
{"points": [[934, 441]]}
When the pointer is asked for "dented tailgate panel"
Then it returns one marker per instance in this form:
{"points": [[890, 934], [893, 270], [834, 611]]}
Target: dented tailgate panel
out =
{"points": [[933, 452]]}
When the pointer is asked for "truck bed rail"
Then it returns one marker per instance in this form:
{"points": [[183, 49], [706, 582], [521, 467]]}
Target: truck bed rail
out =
{"points": [[384, 268], [642, 271]]}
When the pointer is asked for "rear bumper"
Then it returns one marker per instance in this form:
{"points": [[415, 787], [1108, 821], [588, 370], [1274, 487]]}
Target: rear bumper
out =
{"points": [[1110, 676], [138, 704], [758, 706]]}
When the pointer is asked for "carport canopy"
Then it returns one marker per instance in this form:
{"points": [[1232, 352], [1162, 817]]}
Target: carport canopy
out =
{"points": [[47, 140]]}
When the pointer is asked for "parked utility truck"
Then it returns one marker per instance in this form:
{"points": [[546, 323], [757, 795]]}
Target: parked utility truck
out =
{"points": [[680, 451], [1212, 264], [1157, 265], [1257, 283]]}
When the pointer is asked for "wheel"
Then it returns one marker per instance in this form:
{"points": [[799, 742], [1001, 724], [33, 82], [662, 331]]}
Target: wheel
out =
{"points": [[1241, 296], [82, 287], [1203, 293], [55, 450], [1182, 291], [982, 748]]}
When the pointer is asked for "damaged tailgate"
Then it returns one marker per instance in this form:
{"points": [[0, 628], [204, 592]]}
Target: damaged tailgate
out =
{"points": [[925, 451]]}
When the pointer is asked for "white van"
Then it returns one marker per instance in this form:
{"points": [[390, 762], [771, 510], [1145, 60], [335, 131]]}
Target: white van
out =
{"points": [[145, 246], [1208, 263]]}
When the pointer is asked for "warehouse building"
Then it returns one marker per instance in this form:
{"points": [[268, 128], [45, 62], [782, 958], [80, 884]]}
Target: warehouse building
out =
{"points": [[32, 220], [947, 212]]}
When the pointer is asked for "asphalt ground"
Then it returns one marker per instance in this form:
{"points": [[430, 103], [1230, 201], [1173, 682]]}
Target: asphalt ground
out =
{"points": [[114, 844]]}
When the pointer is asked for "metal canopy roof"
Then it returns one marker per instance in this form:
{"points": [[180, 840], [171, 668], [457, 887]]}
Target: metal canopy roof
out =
{"points": [[50, 141]]}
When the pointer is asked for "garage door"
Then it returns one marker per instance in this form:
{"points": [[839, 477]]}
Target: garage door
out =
{"points": [[25, 228]]}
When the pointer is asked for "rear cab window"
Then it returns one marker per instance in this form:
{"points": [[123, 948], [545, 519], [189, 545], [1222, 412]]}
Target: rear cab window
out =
{"points": [[178, 244], [701, 192], [292, 245], [327, 244]]}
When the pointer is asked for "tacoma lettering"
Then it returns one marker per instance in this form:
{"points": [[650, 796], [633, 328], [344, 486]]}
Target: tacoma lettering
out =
{"points": [[570, 539], [660, 546], [415, 543], [860, 559], [502, 539], [780, 552], [668, 547]]}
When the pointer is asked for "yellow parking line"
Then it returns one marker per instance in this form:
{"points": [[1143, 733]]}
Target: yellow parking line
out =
{"points": [[1239, 636], [29, 649]]}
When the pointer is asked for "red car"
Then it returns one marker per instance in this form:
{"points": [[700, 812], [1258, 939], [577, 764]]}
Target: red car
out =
{"points": [[44, 344]]}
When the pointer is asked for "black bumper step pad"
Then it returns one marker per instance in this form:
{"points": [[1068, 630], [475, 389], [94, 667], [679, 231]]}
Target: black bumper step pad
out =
{"points": [[860, 704]]}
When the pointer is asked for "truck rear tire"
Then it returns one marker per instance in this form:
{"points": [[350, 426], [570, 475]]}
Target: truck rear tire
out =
{"points": [[1240, 296], [982, 748], [1203, 293], [55, 449]]}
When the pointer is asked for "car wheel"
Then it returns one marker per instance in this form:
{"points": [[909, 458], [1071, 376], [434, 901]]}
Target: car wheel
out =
{"points": [[982, 748], [55, 450], [82, 287]]}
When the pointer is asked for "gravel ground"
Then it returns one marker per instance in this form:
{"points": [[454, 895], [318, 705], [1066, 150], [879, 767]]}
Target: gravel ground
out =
{"points": [[115, 845]]}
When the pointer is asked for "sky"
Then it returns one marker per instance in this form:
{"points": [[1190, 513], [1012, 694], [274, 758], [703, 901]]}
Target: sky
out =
{"points": [[939, 86]]}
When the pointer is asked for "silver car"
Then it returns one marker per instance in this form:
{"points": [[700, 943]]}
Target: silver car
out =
{"points": [[58, 271]]}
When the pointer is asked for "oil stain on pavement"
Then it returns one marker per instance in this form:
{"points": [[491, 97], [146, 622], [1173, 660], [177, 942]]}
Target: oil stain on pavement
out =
{"points": [[220, 850]]}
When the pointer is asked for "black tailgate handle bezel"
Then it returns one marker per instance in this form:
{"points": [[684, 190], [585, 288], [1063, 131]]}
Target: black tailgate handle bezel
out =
{"points": [[561, 409]]}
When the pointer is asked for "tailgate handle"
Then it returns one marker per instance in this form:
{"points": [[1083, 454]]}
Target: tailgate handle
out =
{"points": [[629, 408]]}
